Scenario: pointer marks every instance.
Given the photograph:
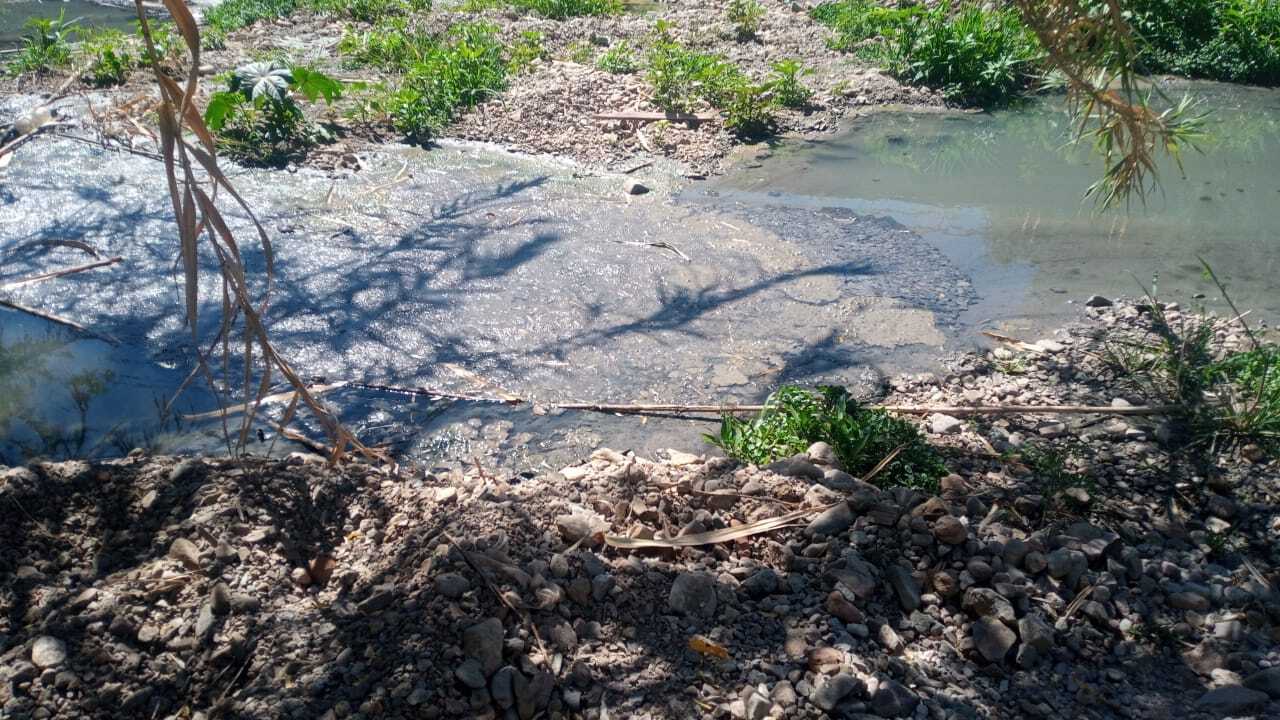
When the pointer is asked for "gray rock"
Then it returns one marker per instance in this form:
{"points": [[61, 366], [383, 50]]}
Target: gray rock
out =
{"points": [[574, 528], [940, 424], [764, 582], [830, 691], [758, 706], [1267, 681], [784, 694], [1189, 601], [821, 453], [452, 585], [533, 695], [483, 641], [205, 621], [1036, 633], [892, 699], [220, 599], [502, 687], [1232, 700], [1065, 562], [185, 552], [184, 470], [832, 521], [839, 480], [904, 586], [1097, 301], [948, 529], [634, 187], [797, 467], [379, 599], [1035, 562], [985, 602], [841, 608], [693, 594], [1015, 551], [993, 639], [470, 673], [48, 651]]}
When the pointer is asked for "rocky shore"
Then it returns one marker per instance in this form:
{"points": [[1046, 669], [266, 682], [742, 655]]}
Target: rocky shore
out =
{"points": [[1088, 568]]}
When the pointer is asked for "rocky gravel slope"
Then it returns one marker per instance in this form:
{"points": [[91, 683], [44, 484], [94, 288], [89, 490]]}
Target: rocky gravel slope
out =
{"points": [[1117, 582]]}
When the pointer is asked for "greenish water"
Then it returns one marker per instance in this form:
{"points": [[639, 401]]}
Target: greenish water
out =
{"points": [[1000, 194], [14, 15]]}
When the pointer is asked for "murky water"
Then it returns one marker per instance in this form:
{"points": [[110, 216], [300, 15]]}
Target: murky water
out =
{"points": [[14, 16], [1000, 194]]}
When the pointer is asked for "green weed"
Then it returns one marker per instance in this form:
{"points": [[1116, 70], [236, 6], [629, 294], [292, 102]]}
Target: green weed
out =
{"points": [[1231, 40], [748, 110], [551, 9], [389, 45], [794, 418], [745, 16], [682, 78], [986, 57], [230, 15], [857, 21], [460, 72], [580, 51], [109, 54], [47, 44], [788, 89], [257, 120], [619, 59], [1057, 483], [527, 50], [368, 11]]}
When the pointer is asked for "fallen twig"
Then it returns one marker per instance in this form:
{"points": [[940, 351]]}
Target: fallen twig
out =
{"points": [[58, 320], [287, 395], [639, 116], [61, 273]]}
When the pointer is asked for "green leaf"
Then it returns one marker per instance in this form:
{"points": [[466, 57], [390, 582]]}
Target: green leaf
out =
{"points": [[314, 84], [263, 79], [222, 107]]}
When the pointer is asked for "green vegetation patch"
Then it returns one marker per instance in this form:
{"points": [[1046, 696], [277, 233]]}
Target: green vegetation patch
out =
{"points": [[794, 418], [619, 59], [46, 44], [1230, 40], [1248, 388], [972, 54], [230, 15], [110, 56], [552, 9], [257, 120]]}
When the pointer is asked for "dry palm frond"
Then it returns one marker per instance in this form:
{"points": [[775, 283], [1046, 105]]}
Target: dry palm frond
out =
{"points": [[1092, 49], [194, 181]]}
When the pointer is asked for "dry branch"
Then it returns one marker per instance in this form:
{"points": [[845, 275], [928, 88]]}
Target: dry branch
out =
{"points": [[61, 273], [57, 319]]}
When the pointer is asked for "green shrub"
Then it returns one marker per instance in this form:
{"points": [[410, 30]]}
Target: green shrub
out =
{"points": [[579, 51], [230, 15], [388, 45], [369, 11], [46, 45], [785, 84], [563, 9], [794, 418], [1248, 387], [619, 59], [977, 56], [857, 21], [681, 78], [748, 110], [745, 16], [464, 70], [1231, 40], [109, 56], [257, 120], [525, 51]]}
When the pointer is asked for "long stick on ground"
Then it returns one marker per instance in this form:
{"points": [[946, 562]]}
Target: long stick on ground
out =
{"points": [[61, 273], [677, 408], [56, 319]]}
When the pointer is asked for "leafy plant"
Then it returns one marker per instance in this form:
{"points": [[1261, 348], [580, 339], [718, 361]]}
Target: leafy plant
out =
{"points": [[46, 45], [526, 50], [788, 89], [564, 9], [109, 55], [682, 78], [580, 51], [1231, 40], [459, 73], [857, 21], [168, 47], [230, 15], [1057, 482], [389, 45], [794, 418], [368, 11], [749, 110], [619, 59], [257, 119], [980, 56], [745, 16]]}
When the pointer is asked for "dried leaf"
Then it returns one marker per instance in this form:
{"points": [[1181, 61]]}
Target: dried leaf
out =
{"points": [[703, 646]]}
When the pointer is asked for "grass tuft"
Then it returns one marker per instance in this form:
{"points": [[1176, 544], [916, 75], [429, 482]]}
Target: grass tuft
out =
{"points": [[794, 418]]}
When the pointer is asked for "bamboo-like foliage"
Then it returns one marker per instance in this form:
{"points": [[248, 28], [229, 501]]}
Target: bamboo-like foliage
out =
{"points": [[1091, 46], [194, 182]]}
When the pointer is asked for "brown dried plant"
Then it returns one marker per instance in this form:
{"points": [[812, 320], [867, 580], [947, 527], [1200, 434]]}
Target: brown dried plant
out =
{"points": [[194, 181]]}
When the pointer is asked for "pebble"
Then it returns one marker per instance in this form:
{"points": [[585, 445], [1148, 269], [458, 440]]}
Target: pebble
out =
{"points": [[950, 530], [993, 639], [892, 699], [470, 673], [185, 552], [832, 521], [634, 187], [483, 642], [940, 424], [693, 594], [904, 586], [1267, 681], [831, 690], [1234, 700], [452, 585], [48, 652]]}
